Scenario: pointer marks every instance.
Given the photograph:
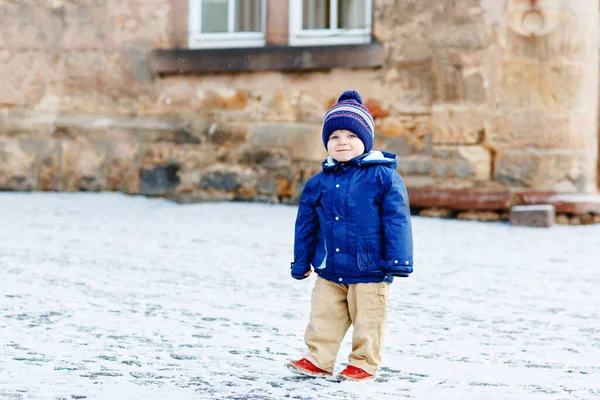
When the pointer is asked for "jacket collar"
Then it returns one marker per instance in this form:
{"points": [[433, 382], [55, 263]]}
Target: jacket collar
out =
{"points": [[373, 157]]}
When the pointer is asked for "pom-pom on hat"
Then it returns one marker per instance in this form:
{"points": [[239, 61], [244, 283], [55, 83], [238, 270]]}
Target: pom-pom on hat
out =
{"points": [[350, 114]]}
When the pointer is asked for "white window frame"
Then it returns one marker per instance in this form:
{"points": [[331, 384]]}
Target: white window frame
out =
{"points": [[323, 37], [230, 39]]}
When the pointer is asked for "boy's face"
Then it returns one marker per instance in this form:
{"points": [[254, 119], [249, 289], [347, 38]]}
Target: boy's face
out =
{"points": [[344, 146]]}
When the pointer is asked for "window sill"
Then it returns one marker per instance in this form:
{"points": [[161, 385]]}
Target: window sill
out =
{"points": [[270, 58]]}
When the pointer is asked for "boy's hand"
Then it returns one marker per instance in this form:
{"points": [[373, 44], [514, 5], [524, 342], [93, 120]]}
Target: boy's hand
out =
{"points": [[299, 272]]}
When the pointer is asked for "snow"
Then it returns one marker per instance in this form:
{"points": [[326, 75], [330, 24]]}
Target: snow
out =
{"points": [[107, 296], [537, 207]]}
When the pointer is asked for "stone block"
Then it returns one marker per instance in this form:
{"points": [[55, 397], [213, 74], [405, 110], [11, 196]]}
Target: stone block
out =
{"points": [[80, 26], [16, 166], [24, 25], [135, 20], [462, 162], [302, 141], [310, 110], [223, 133], [538, 216], [414, 165], [194, 157], [458, 124], [567, 171], [160, 180], [120, 167], [227, 99], [538, 129], [81, 166], [25, 77], [282, 106], [228, 178], [546, 86], [275, 160]]}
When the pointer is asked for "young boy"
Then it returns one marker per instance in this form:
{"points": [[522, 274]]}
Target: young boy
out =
{"points": [[353, 227]]}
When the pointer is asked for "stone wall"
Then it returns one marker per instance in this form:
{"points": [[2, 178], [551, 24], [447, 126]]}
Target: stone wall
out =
{"points": [[465, 102]]}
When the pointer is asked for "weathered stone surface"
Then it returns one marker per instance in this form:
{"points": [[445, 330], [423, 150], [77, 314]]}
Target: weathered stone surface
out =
{"points": [[81, 166], [538, 216], [228, 99], [160, 180], [303, 141], [194, 157], [542, 130], [549, 87], [414, 165], [267, 184], [375, 108], [463, 162], [458, 124], [26, 75], [47, 163], [26, 29], [310, 110], [268, 159], [563, 171], [154, 154], [418, 181], [228, 178], [16, 166], [229, 133], [132, 19], [121, 169], [78, 26]]}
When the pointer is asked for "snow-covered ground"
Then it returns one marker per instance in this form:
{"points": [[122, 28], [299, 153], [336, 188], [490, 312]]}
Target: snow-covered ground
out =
{"points": [[104, 296]]}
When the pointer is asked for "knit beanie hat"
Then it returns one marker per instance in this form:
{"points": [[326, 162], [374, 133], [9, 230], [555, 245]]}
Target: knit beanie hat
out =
{"points": [[350, 114]]}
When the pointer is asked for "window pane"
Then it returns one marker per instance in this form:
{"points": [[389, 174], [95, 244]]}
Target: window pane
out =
{"points": [[248, 15], [315, 14], [214, 16], [352, 14]]}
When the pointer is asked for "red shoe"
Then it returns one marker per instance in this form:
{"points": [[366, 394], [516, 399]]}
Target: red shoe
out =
{"points": [[351, 373], [305, 367]]}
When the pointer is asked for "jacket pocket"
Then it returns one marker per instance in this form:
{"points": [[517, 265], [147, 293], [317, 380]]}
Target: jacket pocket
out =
{"points": [[368, 253], [319, 260], [362, 254]]}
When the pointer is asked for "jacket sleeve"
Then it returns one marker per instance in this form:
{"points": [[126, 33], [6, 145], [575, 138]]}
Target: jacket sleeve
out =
{"points": [[395, 215], [306, 229]]}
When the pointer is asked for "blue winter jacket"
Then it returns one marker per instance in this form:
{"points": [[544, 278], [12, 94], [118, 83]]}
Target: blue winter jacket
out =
{"points": [[353, 223]]}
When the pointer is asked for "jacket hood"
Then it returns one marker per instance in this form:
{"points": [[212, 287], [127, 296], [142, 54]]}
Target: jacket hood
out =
{"points": [[373, 157]]}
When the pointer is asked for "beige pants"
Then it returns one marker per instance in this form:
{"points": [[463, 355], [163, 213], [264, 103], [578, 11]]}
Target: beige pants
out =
{"points": [[334, 308]]}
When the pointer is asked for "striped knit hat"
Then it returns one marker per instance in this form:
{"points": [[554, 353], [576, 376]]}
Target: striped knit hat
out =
{"points": [[350, 114]]}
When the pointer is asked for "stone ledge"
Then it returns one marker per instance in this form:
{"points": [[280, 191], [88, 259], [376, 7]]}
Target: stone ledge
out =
{"points": [[465, 200], [577, 204], [269, 58], [459, 199]]}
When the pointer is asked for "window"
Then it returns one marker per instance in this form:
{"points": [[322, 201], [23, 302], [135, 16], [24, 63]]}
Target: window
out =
{"points": [[329, 22], [226, 23]]}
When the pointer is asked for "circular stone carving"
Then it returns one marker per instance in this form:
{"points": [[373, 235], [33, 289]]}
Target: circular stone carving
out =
{"points": [[533, 18]]}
